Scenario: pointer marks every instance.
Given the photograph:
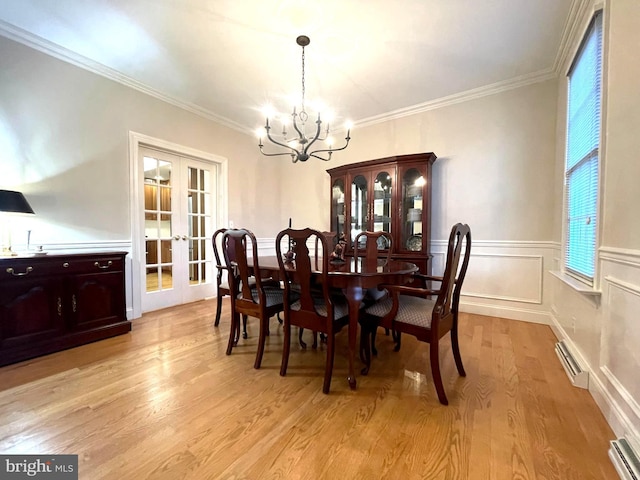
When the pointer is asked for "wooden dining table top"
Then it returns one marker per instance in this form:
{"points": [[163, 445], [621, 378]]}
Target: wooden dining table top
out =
{"points": [[352, 267]]}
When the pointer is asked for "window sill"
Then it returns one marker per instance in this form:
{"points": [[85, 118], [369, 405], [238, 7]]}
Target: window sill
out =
{"points": [[577, 285]]}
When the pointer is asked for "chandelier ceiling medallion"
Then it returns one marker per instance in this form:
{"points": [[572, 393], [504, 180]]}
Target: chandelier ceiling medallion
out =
{"points": [[300, 147]]}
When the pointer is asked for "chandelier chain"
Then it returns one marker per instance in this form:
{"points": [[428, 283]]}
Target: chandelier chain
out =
{"points": [[303, 78]]}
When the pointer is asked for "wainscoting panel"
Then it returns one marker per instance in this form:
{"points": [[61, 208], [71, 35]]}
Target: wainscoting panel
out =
{"points": [[608, 334], [514, 278], [620, 356]]}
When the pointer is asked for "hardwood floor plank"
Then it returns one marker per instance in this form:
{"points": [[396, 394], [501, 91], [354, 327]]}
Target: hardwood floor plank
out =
{"points": [[165, 402]]}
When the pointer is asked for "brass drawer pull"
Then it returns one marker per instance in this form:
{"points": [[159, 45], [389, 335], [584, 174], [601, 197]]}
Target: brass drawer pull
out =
{"points": [[103, 267], [21, 274]]}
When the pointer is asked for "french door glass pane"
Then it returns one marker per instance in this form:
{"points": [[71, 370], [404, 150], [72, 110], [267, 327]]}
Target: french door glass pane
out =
{"points": [[199, 222], [158, 223]]}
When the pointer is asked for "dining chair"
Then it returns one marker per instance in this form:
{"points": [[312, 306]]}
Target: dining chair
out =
{"points": [[309, 302], [331, 238], [251, 296], [223, 287], [373, 245], [414, 310]]}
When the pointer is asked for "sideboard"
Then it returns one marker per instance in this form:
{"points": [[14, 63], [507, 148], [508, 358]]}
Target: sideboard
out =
{"points": [[50, 302]]}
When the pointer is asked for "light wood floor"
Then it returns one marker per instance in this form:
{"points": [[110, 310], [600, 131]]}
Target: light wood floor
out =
{"points": [[165, 402]]}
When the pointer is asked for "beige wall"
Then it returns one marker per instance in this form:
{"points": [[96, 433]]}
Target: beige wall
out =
{"points": [[495, 154], [621, 228], [64, 136]]}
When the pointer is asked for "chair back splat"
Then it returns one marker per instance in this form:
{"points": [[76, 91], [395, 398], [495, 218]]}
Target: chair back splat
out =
{"points": [[308, 300], [413, 310]]}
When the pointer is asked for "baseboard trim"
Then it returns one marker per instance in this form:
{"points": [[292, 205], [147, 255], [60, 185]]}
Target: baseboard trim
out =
{"points": [[512, 313]]}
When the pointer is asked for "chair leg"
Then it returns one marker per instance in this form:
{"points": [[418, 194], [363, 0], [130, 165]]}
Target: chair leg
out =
{"points": [[285, 348], [232, 332], [434, 357], [374, 332], [397, 336], [244, 327], [365, 349], [218, 311], [456, 347], [302, 343], [264, 326], [328, 370]]}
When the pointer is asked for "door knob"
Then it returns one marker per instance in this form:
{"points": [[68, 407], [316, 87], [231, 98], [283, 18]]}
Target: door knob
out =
{"points": [[184, 237], [176, 237]]}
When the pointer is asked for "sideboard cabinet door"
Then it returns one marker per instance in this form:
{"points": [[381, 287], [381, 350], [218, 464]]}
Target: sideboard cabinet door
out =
{"points": [[30, 310]]}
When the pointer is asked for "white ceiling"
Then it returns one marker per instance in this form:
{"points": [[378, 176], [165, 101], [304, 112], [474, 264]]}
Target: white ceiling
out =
{"points": [[368, 59]]}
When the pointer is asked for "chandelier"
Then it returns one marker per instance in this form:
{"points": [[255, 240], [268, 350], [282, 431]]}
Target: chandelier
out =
{"points": [[300, 147]]}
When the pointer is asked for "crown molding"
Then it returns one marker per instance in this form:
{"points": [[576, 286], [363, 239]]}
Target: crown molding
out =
{"points": [[579, 12], [492, 89], [61, 53]]}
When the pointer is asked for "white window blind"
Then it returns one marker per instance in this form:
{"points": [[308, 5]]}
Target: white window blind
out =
{"points": [[583, 145]]}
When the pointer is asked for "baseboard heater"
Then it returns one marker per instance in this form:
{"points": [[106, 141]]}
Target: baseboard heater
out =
{"points": [[578, 376], [624, 460]]}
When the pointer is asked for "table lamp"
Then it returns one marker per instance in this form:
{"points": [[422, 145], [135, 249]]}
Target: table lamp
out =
{"points": [[11, 203]]}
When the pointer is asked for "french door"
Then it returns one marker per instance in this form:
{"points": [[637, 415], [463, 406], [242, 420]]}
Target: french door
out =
{"points": [[179, 216]]}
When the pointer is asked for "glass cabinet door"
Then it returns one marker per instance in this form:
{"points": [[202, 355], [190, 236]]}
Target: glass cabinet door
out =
{"points": [[337, 207], [359, 206], [382, 190], [413, 187]]}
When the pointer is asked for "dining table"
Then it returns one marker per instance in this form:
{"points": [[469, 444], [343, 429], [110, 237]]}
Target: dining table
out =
{"points": [[353, 276]]}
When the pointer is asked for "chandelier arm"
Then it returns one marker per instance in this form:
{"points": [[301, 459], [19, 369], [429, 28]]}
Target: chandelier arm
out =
{"points": [[331, 150], [321, 158], [318, 129], [295, 126], [283, 145], [275, 154]]}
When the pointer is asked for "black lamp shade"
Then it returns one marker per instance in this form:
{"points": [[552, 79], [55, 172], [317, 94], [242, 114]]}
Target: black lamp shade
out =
{"points": [[14, 202]]}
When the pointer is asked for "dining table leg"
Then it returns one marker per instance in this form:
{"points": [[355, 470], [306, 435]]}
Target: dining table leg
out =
{"points": [[354, 295]]}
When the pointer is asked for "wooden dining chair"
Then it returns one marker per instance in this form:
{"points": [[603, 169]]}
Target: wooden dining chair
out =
{"points": [[414, 311], [251, 295], [309, 302], [373, 245], [222, 284], [331, 238]]}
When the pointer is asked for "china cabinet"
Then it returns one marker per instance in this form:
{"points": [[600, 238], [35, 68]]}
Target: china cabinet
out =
{"points": [[53, 302], [390, 194]]}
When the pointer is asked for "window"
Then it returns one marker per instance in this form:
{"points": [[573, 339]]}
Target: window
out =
{"points": [[582, 156]]}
